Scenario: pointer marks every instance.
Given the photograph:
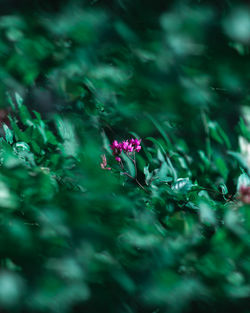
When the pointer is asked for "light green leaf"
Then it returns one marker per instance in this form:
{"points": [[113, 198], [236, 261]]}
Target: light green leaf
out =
{"points": [[243, 180], [182, 185], [8, 134], [207, 215]]}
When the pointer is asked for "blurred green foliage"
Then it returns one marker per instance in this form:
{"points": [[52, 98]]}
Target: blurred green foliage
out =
{"points": [[75, 75]]}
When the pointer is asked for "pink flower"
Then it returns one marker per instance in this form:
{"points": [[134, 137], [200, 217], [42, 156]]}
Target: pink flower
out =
{"points": [[245, 194], [116, 147], [136, 144], [125, 146], [130, 148]]}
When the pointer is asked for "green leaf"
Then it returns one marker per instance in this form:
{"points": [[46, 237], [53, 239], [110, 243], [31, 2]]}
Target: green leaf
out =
{"points": [[161, 130], [148, 175], [182, 185], [222, 167], [241, 160], [67, 132], [19, 100], [10, 101], [25, 116], [218, 134], [173, 170], [7, 199], [18, 133], [157, 143], [129, 164], [223, 189], [243, 180], [204, 158], [21, 146], [207, 215], [8, 134], [244, 129]]}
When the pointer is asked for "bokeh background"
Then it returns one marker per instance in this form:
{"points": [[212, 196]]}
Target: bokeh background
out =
{"points": [[75, 238], [121, 59]]}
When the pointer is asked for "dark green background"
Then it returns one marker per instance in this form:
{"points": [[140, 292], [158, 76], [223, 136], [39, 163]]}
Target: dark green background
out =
{"points": [[76, 238]]}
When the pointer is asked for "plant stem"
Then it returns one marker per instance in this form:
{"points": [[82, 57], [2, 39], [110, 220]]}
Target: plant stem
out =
{"points": [[136, 180], [136, 172], [121, 164], [139, 184]]}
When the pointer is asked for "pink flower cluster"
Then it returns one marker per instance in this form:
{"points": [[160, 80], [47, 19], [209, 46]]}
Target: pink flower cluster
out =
{"points": [[126, 146], [245, 194]]}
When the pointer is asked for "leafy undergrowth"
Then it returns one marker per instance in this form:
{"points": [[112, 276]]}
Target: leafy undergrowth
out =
{"points": [[162, 230]]}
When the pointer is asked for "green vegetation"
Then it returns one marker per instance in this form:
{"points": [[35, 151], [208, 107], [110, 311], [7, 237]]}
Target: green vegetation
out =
{"points": [[163, 230]]}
